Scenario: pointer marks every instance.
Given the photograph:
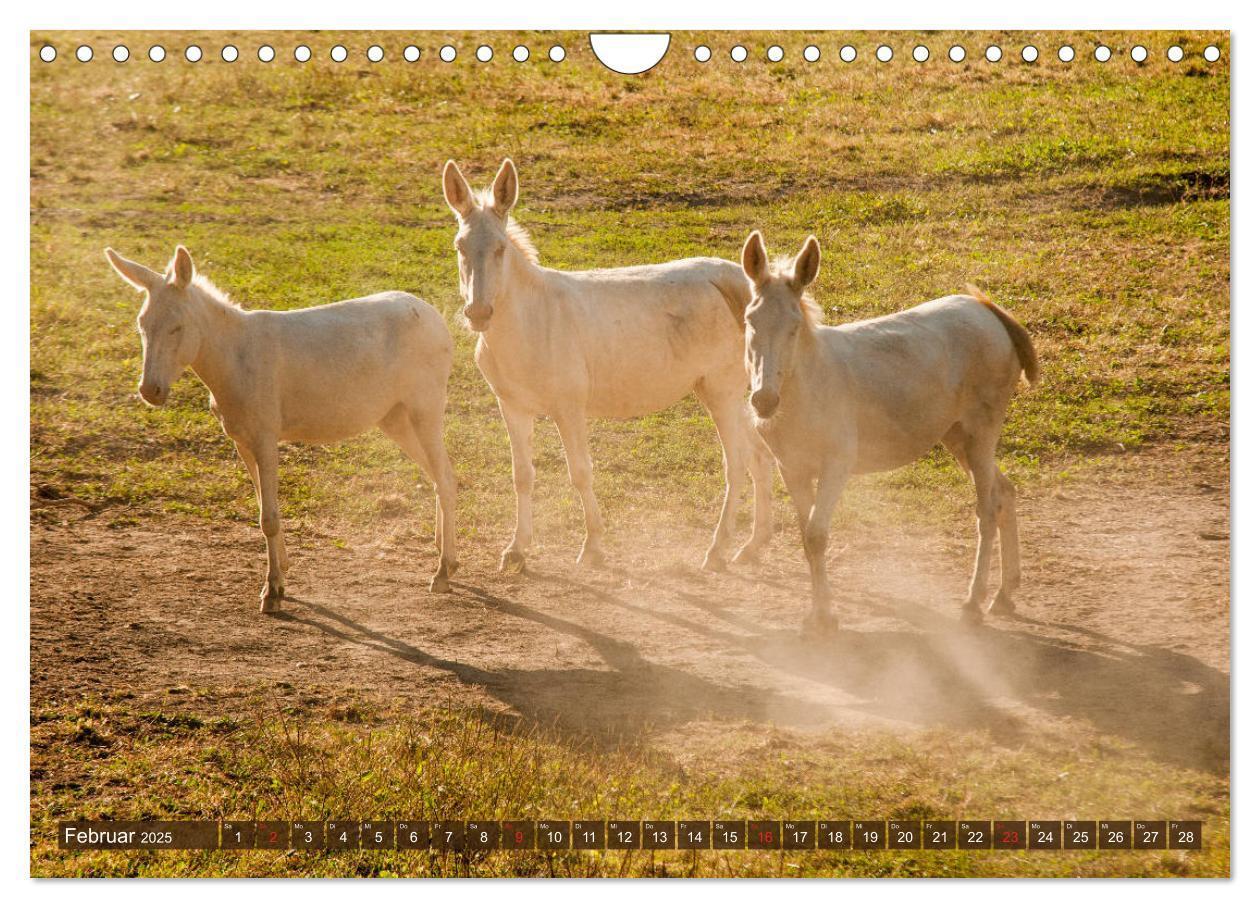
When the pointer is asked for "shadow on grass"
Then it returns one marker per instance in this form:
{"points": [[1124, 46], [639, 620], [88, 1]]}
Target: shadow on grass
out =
{"points": [[932, 671]]}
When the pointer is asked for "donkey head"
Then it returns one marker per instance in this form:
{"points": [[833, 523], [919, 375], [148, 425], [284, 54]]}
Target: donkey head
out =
{"points": [[775, 317], [169, 335], [482, 242]]}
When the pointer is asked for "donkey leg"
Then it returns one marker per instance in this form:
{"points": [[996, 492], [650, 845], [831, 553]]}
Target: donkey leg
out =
{"points": [[408, 427], [800, 488], [520, 429], [762, 471], [266, 458], [817, 530], [427, 426], [730, 429], [981, 458], [251, 466], [1008, 531], [572, 429]]}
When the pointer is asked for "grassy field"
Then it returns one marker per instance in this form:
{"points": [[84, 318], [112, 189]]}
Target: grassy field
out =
{"points": [[265, 757], [1083, 197], [1090, 199]]}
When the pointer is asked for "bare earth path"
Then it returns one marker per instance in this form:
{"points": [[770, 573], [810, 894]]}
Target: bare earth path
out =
{"points": [[1123, 630]]}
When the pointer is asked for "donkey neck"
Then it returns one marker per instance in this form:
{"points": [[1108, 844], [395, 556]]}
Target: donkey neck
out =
{"points": [[221, 326], [524, 290], [807, 366]]}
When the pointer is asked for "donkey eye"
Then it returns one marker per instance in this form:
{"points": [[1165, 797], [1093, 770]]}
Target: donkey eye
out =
{"points": [[177, 329], [498, 253]]}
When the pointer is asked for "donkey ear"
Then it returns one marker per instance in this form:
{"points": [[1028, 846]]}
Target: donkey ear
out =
{"points": [[807, 261], [133, 273], [506, 185], [181, 269], [756, 262], [458, 194]]}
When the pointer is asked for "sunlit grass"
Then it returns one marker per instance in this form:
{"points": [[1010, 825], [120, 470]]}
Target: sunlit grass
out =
{"points": [[276, 759]]}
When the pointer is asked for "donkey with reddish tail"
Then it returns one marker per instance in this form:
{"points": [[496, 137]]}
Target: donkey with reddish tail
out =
{"points": [[835, 401]]}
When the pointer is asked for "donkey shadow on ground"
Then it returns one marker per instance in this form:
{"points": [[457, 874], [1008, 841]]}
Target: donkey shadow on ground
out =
{"points": [[606, 706], [929, 670], [942, 672]]}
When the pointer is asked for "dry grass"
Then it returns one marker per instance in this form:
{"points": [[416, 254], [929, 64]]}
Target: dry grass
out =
{"points": [[274, 754]]}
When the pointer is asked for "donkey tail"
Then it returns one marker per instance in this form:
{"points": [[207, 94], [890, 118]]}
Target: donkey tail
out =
{"points": [[1018, 334]]}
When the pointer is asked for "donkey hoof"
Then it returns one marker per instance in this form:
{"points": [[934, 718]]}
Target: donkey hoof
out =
{"points": [[269, 601], [512, 562], [1002, 604], [439, 584], [590, 558], [749, 554], [713, 563], [820, 625], [971, 613]]}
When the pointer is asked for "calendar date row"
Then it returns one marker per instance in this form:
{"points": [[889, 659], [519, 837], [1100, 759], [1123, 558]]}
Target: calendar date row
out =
{"points": [[654, 835]]}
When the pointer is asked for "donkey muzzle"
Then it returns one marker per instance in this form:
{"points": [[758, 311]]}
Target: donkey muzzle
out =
{"points": [[153, 393], [765, 402], [478, 315]]}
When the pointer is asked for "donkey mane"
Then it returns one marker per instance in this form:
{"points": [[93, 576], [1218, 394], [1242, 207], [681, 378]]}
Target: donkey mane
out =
{"points": [[516, 233], [521, 240], [813, 312], [204, 284]]}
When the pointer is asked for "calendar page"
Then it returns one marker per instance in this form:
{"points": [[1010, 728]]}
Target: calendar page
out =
{"points": [[710, 453]]}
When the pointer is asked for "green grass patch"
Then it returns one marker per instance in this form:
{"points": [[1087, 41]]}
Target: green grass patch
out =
{"points": [[116, 759]]}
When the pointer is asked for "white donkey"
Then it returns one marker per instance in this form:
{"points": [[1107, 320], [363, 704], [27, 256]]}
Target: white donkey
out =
{"points": [[619, 342], [835, 401], [314, 375]]}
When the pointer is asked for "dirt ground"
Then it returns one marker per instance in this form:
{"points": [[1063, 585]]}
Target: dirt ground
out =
{"points": [[1123, 627]]}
